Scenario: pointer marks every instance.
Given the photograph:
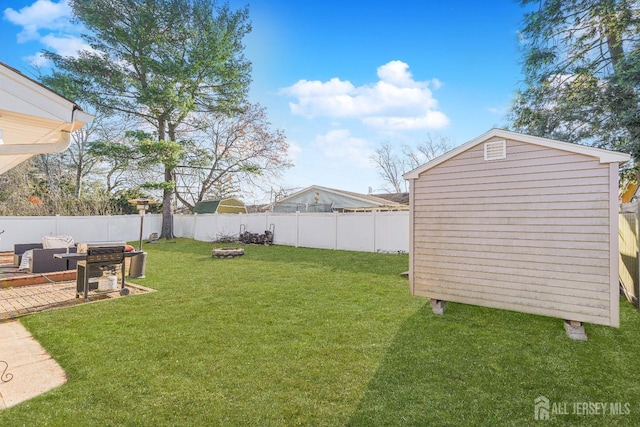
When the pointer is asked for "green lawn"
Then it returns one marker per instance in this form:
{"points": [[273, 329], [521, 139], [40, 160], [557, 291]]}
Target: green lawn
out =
{"points": [[289, 336]]}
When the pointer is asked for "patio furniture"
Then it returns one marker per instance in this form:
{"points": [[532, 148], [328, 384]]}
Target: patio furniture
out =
{"points": [[42, 260]]}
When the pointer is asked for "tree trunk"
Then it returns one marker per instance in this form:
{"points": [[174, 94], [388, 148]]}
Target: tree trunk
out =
{"points": [[167, 199], [78, 177], [167, 193]]}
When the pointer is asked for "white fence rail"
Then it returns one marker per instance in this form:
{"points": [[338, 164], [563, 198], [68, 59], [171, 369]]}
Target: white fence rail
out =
{"points": [[30, 229], [360, 231]]}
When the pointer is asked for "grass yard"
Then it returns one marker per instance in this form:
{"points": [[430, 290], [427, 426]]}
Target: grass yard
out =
{"points": [[290, 336]]}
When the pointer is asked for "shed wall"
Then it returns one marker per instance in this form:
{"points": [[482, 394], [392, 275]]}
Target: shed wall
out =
{"points": [[530, 233]]}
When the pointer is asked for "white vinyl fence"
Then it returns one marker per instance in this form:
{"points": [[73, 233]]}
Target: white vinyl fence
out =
{"points": [[358, 231], [30, 229]]}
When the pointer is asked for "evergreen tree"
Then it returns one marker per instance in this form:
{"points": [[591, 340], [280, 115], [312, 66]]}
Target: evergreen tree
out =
{"points": [[582, 73], [160, 61]]}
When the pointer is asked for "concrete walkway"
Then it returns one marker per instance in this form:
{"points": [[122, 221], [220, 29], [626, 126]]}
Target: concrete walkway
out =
{"points": [[26, 369]]}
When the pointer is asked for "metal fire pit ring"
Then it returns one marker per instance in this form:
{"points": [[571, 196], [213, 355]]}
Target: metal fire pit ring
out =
{"points": [[227, 252]]}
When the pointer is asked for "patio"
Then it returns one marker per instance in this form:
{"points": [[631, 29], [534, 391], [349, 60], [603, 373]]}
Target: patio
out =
{"points": [[23, 293]]}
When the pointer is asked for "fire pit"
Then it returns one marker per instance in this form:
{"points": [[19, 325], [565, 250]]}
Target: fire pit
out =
{"points": [[227, 252]]}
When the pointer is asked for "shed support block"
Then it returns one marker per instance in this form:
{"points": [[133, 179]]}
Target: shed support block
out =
{"points": [[575, 330], [437, 305]]}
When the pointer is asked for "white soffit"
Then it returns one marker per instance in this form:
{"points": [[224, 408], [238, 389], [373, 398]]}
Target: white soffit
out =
{"points": [[33, 119]]}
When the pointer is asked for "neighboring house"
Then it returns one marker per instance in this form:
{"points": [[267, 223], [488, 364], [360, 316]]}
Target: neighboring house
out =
{"points": [[322, 199], [228, 206], [518, 222], [402, 198], [33, 119], [258, 208]]}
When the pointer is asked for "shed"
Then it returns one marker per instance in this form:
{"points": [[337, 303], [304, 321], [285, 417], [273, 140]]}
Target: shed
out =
{"points": [[518, 222], [228, 206], [33, 119], [323, 199]]}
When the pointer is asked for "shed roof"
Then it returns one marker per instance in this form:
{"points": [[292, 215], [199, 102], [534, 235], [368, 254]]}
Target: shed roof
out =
{"points": [[33, 119], [605, 156], [228, 205]]}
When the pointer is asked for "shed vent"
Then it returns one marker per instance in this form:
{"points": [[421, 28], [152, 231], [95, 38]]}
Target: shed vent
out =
{"points": [[495, 150]]}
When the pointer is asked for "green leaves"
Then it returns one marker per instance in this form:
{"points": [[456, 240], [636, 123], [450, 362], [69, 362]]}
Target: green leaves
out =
{"points": [[160, 62], [581, 73], [168, 153]]}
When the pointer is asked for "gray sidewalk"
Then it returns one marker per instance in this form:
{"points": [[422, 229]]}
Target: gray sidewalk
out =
{"points": [[26, 369]]}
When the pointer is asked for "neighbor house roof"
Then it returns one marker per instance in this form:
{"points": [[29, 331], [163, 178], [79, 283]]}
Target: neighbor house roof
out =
{"points": [[605, 156], [357, 196], [33, 119], [402, 198]]}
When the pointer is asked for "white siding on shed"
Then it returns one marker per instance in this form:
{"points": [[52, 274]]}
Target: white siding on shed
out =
{"points": [[530, 232]]}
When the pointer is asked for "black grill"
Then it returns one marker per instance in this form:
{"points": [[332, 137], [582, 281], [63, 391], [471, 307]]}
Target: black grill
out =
{"points": [[97, 260], [105, 255]]}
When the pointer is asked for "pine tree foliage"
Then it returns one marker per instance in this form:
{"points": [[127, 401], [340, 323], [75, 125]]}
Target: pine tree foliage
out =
{"points": [[581, 60]]}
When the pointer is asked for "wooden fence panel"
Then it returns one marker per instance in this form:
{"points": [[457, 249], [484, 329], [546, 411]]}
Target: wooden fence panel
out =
{"points": [[628, 265]]}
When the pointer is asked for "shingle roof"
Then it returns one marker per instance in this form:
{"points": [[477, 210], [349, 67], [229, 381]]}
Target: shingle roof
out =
{"points": [[367, 197]]}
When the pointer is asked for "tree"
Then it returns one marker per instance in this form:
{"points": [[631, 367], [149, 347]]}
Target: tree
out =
{"points": [[227, 151], [392, 166], [581, 73], [116, 150], [160, 61], [17, 192], [78, 157], [425, 152]]}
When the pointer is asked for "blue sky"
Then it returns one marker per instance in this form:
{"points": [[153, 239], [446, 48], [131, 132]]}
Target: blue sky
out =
{"points": [[342, 77]]}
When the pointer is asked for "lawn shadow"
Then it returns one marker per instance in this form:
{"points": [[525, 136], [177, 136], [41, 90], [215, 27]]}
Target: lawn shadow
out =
{"points": [[482, 366]]}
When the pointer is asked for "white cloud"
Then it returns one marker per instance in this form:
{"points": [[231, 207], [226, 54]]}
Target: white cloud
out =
{"points": [[49, 23], [395, 102], [294, 150], [396, 73], [41, 15], [432, 120], [65, 45], [340, 145], [38, 60]]}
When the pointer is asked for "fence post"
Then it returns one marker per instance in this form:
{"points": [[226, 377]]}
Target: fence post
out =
{"points": [[375, 230], [335, 230], [297, 227], [195, 223]]}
